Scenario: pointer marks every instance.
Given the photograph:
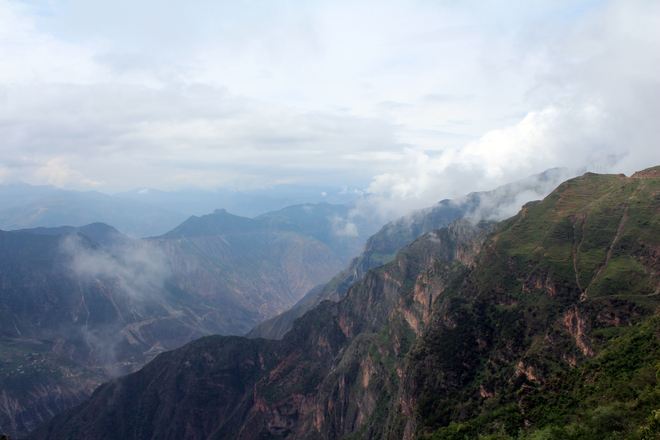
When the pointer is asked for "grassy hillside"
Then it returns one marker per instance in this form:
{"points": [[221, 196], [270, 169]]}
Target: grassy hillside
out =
{"points": [[556, 325]]}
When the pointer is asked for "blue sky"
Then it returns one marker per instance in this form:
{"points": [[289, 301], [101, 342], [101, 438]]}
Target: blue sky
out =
{"points": [[409, 100]]}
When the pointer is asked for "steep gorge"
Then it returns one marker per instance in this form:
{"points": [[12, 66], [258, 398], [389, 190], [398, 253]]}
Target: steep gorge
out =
{"points": [[79, 306], [470, 330]]}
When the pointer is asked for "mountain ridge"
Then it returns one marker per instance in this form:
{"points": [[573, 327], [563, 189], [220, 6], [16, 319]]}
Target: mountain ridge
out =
{"points": [[101, 303], [383, 245], [463, 333]]}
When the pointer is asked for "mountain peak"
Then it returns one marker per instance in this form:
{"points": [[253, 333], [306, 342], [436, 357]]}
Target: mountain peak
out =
{"points": [[98, 232], [101, 233], [218, 222], [648, 173]]}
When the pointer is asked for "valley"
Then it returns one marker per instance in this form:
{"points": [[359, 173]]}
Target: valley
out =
{"points": [[474, 328]]}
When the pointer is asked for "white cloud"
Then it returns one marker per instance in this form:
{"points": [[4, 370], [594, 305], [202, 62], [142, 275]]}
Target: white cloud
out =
{"points": [[30, 56], [417, 100], [344, 227], [58, 173], [598, 103], [139, 268]]}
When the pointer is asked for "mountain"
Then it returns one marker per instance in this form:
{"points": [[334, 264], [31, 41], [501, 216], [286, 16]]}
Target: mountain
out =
{"points": [[246, 202], [382, 247], [557, 325], [322, 221], [263, 266], [276, 257], [544, 325], [25, 206], [146, 212], [79, 305], [327, 223], [226, 370]]}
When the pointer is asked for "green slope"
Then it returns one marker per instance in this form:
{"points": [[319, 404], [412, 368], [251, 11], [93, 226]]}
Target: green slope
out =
{"points": [[556, 325]]}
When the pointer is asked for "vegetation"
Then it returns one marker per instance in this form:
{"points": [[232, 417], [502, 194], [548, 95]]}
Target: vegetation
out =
{"points": [[555, 332], [615, 395], [548, 328]]}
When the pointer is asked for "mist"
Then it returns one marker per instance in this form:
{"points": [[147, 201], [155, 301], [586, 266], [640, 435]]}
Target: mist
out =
{"points": [[595, 99], [137, 267]]}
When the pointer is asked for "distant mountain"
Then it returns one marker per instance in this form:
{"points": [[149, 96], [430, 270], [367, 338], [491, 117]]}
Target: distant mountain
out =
{"points": [[264, 265], [79, 305], [544, 325], [146, 212], [327, 223], [220, 222], [25, 206], [382, 247], [247, 203]]}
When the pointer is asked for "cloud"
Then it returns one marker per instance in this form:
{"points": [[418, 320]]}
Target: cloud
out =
{"points": [[132, 274], [598, 100], [506, 200], [138, 268], [57, 172], [344, 227], [30, 56], [68, 104], [191, 134], [418, 100]]}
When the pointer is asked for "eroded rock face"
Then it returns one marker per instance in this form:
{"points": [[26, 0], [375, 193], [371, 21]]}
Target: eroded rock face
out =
{"points": [[382, 247], [522, 312], [578, 328], [538, 282], [329, 374]]}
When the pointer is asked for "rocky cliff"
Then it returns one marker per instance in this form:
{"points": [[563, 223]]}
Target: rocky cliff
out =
{"points": [[542, 326], [383, 246]]}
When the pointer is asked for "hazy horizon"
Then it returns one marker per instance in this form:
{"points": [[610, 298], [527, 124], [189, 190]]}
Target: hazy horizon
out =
{"points": [[411, 102]]}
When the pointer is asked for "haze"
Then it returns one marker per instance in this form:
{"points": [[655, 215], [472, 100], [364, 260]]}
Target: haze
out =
{"points": [[405, 101]]}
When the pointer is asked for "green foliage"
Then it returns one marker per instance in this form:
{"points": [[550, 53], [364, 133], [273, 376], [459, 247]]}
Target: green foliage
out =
{"points": [[613, 396], [623, 275], [594, 234]]}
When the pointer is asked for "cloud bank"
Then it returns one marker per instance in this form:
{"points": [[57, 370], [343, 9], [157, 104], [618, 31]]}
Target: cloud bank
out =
{"points": [[411, 101], [597, 98]]}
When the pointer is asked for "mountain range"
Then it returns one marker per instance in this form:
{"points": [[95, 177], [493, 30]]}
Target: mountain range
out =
{"points": [[450, 324], [79, 305], [382, 247], [541, 326], [146, 212]]}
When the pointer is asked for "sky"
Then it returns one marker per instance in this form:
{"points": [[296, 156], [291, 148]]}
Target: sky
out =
{"points": [[409, 101]]}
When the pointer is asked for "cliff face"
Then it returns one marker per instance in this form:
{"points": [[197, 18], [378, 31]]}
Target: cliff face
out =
{"points": [[315, 380], [533, 335], [383, 246], [522, 328]]}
